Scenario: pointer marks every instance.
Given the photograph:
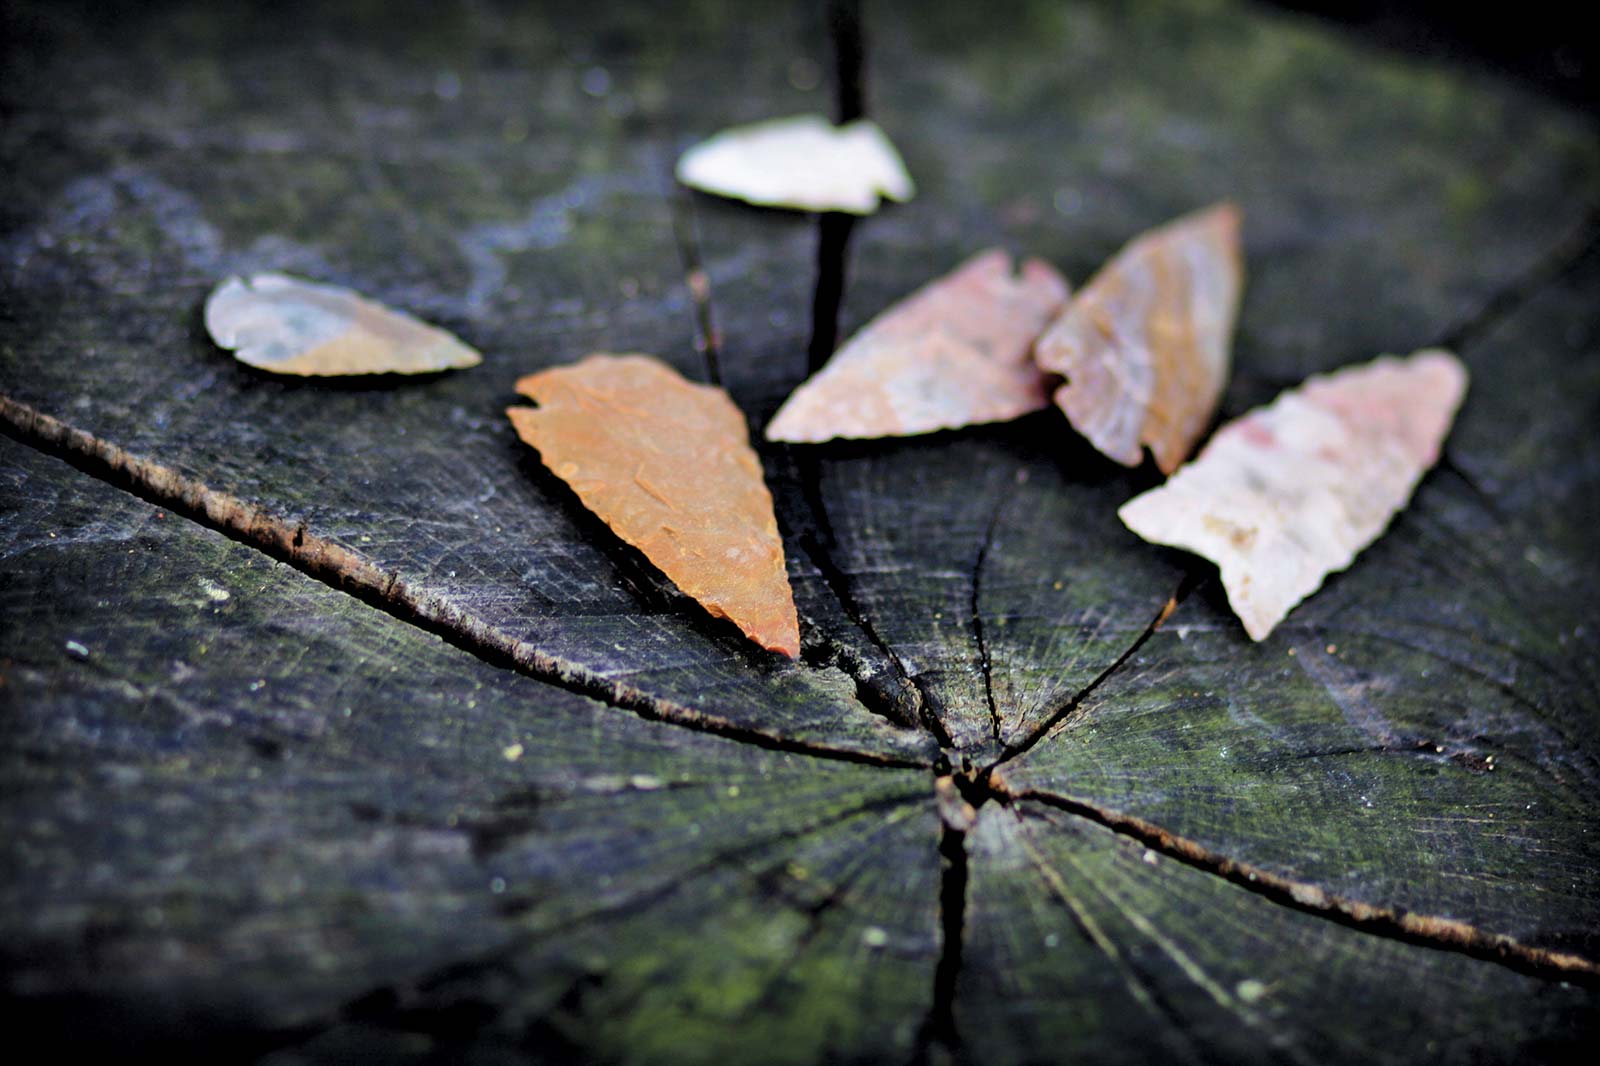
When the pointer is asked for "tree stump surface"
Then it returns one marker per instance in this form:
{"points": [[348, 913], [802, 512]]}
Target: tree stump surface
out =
{"points": [[332, 726]]}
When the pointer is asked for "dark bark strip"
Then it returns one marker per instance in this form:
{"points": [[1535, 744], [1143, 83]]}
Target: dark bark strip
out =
{"points": [[348, 571], [834, 228], [985, 662], [849, 59], [896, 699], [1395, 923], [687, 237], [833, 242], [708, 340], [1060, 714], [833, 246], [939, 1024], [833, 251]]}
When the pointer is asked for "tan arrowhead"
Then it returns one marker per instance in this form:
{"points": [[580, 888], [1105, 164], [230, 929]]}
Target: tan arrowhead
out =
{"points": [[667, 464], [1144, 346], [956, 352], [1291, 492], [803, 162], [290, 326]]}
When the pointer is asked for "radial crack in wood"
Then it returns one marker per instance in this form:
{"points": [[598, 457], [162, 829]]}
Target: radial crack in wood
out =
{"points": [[371, 832], [1078, 936], [354, 573], [1429, 930]]}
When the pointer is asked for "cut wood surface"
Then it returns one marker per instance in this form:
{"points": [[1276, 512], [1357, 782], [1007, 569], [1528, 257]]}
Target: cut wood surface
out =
{"points": [[335, 726]]}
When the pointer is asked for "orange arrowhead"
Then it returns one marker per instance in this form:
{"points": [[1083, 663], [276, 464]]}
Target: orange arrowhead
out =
{"points": [[668, 465]]}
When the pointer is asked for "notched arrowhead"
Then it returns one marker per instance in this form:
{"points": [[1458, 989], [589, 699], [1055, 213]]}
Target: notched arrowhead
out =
{"points": [[290, 326], [1145, 345], [1291, 492], [956, 352], [667, 464], [802, 162]]}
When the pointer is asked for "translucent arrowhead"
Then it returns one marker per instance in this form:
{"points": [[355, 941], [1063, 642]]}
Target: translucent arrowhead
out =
{"points": [[956, 352], [1291, 492], [290, 326]]}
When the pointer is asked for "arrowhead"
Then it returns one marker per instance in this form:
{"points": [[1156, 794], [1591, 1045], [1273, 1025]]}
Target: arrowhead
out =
{"points": [[1145, 345], [1291, 492], [803, 162], [667, 464], [289, 326], [956, 352]]}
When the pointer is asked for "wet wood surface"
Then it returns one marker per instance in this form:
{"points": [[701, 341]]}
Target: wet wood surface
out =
{"points": [[332, 725]]}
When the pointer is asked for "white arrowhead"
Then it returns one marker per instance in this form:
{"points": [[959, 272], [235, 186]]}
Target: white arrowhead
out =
{"points": [[802, 162], [1291, 492]]}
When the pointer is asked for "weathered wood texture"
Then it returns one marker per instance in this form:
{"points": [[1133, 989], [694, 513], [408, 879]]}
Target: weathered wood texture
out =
{"points": [[256, 812], [247, 812]]}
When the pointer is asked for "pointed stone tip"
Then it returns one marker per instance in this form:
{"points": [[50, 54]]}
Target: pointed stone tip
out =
{"points": [[1226, 211], [1258, 623], [1049, 280], [1166, 461], [1224, 215], [1445, 362], [788, 426], [788, 645]]}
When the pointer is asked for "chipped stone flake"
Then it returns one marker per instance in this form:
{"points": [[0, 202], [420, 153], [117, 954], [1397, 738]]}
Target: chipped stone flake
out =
{"points": [[803, 162], [1291, 492], [1145, 345], [667, 464], [957, 352], [290, 326]]}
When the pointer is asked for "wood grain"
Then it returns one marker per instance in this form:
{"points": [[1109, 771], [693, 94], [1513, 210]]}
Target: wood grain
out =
{"points": [[212, 870]]}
